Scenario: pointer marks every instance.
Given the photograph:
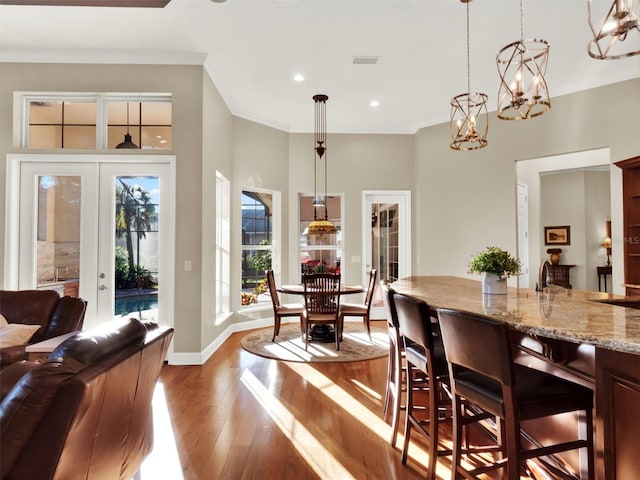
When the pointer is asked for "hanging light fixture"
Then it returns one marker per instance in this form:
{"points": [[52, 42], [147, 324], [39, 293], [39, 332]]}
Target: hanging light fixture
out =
{"points": [[469, 122], [619, 25], [320, 226], [127, 138], [523, 89]]}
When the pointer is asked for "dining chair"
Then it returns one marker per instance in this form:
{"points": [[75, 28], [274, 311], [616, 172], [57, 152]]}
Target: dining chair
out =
{"points": [[321, 303], [361, 309], [280, 310], [423, 353], [483, 373]]}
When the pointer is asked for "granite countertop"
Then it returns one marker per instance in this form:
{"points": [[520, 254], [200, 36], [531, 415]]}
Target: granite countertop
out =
{"points": [[594, 318]]}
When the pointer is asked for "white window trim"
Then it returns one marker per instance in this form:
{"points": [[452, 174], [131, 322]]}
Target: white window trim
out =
{"points": [[21, 110], [223, 248]]}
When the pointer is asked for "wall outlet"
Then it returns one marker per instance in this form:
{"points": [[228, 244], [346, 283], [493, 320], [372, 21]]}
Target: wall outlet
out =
{"points": [[187, 265]]}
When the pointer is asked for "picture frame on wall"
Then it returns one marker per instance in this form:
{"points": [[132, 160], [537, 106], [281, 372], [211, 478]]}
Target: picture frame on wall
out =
{"points": [[557, 235]]}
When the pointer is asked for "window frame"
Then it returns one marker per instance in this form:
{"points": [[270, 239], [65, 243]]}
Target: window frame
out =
{"points": [[274, 247], [23, 99], [223, 248]]}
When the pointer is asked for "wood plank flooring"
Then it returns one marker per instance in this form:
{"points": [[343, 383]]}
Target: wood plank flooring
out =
{"points": [[241, 416]]}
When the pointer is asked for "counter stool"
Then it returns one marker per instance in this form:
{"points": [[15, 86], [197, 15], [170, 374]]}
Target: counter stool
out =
{"points": [[394, 362], [482, 371], [424, 354]]}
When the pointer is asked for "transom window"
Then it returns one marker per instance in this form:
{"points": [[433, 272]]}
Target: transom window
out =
{"points": [[97, 122]]}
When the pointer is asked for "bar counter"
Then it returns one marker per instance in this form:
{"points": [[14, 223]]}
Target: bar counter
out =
{"points": [[594, 318], [592, 338]]}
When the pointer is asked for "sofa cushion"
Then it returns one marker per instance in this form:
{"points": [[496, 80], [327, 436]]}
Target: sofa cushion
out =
{"points": [[3, 321], [23, 408], [90, 346], [32, 307], [16, 334]]}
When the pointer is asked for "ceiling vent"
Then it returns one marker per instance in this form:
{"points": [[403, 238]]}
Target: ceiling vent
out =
{"points": [[365, 60]]}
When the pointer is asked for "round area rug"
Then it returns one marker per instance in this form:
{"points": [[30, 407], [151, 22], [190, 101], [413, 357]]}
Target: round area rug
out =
{"points": [[355, 345]]}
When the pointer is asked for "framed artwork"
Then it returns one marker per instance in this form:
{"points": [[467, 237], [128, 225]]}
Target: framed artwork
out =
{"points": [[557, 235]]}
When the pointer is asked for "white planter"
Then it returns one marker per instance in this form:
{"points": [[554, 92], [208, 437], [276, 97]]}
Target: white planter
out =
{"points": [[492, 284]]}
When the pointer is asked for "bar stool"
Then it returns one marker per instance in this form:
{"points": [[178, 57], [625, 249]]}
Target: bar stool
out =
{"points": [[392, 405], [482, 371], [423, 354]]}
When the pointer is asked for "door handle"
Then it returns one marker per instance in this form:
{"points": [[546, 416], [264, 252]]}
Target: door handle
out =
{"points": [[103, 287]]}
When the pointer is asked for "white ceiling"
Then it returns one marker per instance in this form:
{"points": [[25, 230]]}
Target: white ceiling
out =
{"points": [[252, 49]]}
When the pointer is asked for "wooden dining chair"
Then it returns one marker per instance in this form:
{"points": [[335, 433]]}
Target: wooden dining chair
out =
{"points": [[361, 309], [321, 303], [280, 310]]}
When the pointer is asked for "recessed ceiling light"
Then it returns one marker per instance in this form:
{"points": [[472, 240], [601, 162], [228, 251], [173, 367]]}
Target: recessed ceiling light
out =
{"points": [[374, 103], [298, 77]]}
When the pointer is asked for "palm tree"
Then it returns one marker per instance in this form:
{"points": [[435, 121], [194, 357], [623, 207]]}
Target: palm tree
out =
{"points": [[134, 213]]}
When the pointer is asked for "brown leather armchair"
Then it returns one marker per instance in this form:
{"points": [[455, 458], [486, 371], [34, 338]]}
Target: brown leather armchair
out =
{"points": [[86, 411], [56, 315]]}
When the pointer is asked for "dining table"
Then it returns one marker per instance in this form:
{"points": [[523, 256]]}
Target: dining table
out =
{"points": [[592, 338], [321, 333]]}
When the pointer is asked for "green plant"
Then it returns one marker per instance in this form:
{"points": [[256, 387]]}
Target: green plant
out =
{"points": [[260, 260], [494, 260]]}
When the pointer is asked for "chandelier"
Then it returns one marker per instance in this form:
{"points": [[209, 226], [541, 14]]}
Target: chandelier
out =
{"points": [[523, 89], [618, 25], [320, 226], [469, 122]]}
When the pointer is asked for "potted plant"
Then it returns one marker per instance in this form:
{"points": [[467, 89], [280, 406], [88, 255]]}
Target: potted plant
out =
{"points": [[495, 265]]}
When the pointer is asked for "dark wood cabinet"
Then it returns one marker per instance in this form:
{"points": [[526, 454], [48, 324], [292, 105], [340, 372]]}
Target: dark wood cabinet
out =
{"points": [[631, 223], [617, 414]]}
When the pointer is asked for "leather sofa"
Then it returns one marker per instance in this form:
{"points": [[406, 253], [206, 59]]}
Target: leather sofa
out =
{"points": [[56, 316], [85, 412]]}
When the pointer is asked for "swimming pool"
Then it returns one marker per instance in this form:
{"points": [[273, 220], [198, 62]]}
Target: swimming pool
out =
{"points": [[125, 305]]}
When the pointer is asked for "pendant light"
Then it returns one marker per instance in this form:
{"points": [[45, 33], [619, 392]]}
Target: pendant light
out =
{"points": [[320, 226], [127, 138], [523, 92], [618, 35], [469, 122]]}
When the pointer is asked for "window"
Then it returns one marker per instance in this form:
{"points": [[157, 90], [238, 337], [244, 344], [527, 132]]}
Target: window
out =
{"points": [[257, 244], [96, 121], [223, 244], [320, 252]]}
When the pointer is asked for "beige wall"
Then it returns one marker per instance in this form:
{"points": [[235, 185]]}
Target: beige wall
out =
{"points": [[466, 200], [185, 83], [461, 201], [355, 163]]}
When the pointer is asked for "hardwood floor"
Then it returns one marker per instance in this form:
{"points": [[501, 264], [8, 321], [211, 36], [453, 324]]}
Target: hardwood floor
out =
{"points": [[241, 416]]}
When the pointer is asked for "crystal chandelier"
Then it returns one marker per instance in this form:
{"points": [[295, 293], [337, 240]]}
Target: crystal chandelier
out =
{"points": [[320, 226], [614, 37], [469, 122], [523, 89]]}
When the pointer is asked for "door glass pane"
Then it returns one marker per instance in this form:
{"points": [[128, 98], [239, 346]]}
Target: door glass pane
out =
{"points": [[58, 234], [384, 233], [136, 240]]}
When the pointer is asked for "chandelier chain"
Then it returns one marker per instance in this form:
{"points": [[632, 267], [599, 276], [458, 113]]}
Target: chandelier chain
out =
{"points": [[468, 54], [521, 22]]}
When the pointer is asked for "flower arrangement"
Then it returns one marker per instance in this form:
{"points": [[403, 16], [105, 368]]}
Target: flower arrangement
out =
{"points": [[494, 260]]}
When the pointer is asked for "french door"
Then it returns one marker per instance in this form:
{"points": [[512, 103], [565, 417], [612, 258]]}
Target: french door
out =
{"points": [[99, 227], [386, 233]]}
